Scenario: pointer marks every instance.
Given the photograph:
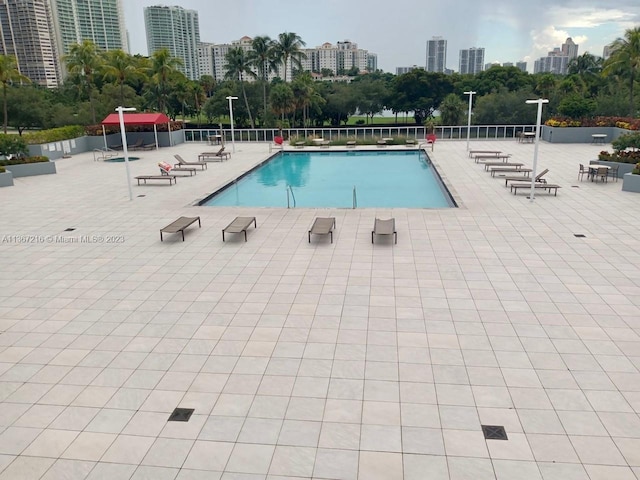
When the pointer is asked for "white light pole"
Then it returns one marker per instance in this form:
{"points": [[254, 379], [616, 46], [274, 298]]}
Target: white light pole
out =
{"points": [[471, 94], [233, 141], [123, 135], [540, 102]]}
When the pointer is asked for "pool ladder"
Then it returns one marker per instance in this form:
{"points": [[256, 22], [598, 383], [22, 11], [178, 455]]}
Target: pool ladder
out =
{"points": [[355, 198], [290, 196]]}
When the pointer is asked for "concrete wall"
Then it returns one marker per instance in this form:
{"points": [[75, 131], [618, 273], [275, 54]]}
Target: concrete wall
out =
{"points": [[32, 169], [57, 150], [579, 134], [6, 179], [631, 183]]}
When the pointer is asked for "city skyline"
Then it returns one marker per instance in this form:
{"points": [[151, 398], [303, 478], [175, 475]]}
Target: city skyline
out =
{"points": [[506, 31]]}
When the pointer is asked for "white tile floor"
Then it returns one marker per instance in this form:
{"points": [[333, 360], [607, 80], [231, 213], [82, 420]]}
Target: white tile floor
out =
{"points": [[326, 361]]}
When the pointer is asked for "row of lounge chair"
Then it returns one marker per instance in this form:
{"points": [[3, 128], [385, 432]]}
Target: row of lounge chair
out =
{"points": [[321, 226], [168, 172], [521, 181], [139, 145]]}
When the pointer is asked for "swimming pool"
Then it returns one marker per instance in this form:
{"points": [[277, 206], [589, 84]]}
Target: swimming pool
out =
{"points": [[392, 179]]}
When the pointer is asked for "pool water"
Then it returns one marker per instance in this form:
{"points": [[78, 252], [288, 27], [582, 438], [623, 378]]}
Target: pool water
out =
{"points": [[393, 179], [120, 159]]}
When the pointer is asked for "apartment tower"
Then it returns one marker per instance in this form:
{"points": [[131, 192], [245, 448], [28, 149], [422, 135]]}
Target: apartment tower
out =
{"points": [[100, 21], [177, 30], [436, 55], [26, 32], [471, 61]]}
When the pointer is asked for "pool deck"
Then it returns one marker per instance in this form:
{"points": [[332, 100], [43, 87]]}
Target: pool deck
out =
{"points": [[319, 361]]}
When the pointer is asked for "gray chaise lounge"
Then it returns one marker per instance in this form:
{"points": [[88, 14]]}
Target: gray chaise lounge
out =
{"points": [[239, 225], [179, 225], [384, 227], [323, 226]]}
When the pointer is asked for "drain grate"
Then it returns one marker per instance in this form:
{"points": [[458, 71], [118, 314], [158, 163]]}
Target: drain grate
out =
{"points": [[141, 196], [575, 186], [494, 432], [579, 235], [70, 229], [181, 415]]}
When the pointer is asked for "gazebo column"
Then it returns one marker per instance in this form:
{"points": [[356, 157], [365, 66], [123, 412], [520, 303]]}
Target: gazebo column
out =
{"points": [[155, 133], [169, 132], [104, 136]]}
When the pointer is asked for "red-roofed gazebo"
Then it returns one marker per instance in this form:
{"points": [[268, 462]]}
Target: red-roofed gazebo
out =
{"points": [[154, 119]]}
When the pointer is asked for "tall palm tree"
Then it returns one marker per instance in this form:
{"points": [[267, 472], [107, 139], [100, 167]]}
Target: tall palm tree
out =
{"points": [[288, 47], [9, 73], [238, 67], [84, 61], [263, 58], [119, 67], [625, 61], [585, 65], [163, 66]]}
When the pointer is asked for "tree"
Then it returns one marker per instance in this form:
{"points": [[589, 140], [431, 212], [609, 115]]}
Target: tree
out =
{"points": [[451, 110], [208, 84], [288, 47], [576, 106], [625, 61], [34, 116], [371, 94], [118, 66], [239, 66], [162, 69], [263, 58], [505, 108], [545, 84], [9, 73], [84, 61], [421, 92], [281, 99]]}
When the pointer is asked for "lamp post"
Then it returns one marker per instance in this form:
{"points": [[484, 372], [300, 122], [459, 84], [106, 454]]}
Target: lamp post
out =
{"points": [[540, 102], [233, 141], [471, 94], [125, 151]]}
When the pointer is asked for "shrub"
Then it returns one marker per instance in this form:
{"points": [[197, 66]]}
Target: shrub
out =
{"points": [[23, 160], [54, 134], [576, 106], [620, 122], [2, 169], [12, 145], [628, 140], [636, 171]]}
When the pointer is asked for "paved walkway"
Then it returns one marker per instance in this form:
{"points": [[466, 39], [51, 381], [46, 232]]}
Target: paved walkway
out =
{"points": [[326, 361]]}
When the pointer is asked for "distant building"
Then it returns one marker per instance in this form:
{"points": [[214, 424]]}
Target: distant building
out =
{"points": [[487, 66], [26, 32], [471, 60], [436, 55], [403, 70], [608, 50], [507, 64], [557, 60], [522, 66], [101, 21], [177, 30]]}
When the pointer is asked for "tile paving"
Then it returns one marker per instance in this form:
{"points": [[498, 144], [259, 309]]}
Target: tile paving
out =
{"points": [[319, 361]]}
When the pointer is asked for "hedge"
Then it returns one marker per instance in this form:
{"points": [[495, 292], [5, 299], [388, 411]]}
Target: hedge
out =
{"points": [[54, 135], [23, 160]]}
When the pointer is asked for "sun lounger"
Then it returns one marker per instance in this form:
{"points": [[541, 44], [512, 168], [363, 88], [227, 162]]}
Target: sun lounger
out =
{"points": [[137, 145], [527, 186], [219, 155], [481, 158], [298, 145], [473, 153], [501, 164], [181, 162], [179, 225], [351, 144], [384, 227], [323, 226], [239, 225], [514, 178], [411, 143], [144, 178], [166, 169], [495, 170], [325, 144], [381, 143]]}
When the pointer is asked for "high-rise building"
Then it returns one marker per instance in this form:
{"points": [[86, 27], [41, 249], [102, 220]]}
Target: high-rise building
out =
{"points": [[471, 60], [101, 21], [177, 30], [403, 70], [436, 55], [608, 50], [557, 60], [522, 66], [26, 32]]}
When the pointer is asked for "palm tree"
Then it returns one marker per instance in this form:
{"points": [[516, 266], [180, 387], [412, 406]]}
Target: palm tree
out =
{"points": [[585, 65], [263, 58], [163, 67], [239, 66], [119, 66], [84, 61], [545, 84], [9, 73], [281, 99], [288, 47], [625, 61]]}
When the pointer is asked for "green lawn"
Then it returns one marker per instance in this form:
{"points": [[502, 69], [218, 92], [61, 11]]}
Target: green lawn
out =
{"points": [[381, 120]]}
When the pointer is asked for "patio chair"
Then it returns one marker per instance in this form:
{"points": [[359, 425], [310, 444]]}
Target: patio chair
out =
{"points": [[181, 162], [583, 171], [239, 225], [538, 179], [384, 227], [323, 226], [613, 172], [602, 174], [138, 145]]}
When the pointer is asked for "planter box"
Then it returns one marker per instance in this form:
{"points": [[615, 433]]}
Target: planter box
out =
{"points": [[622, 167], [631, 183], [6, 179], [579, 134], [31, 169]]}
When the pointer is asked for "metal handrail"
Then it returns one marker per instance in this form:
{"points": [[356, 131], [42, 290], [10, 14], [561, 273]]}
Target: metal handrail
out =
{"points": [[355, 198], [289, 189], [104, 153]]}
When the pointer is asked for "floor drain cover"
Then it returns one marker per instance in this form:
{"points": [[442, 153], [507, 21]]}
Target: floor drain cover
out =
{"points": [[579, 235], [575, 186], [69, 229], [141, 196], [181, 415], [494, 432]]}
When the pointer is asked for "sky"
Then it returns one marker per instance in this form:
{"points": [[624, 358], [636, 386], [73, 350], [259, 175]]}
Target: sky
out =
{"points": [[397, 31]]}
